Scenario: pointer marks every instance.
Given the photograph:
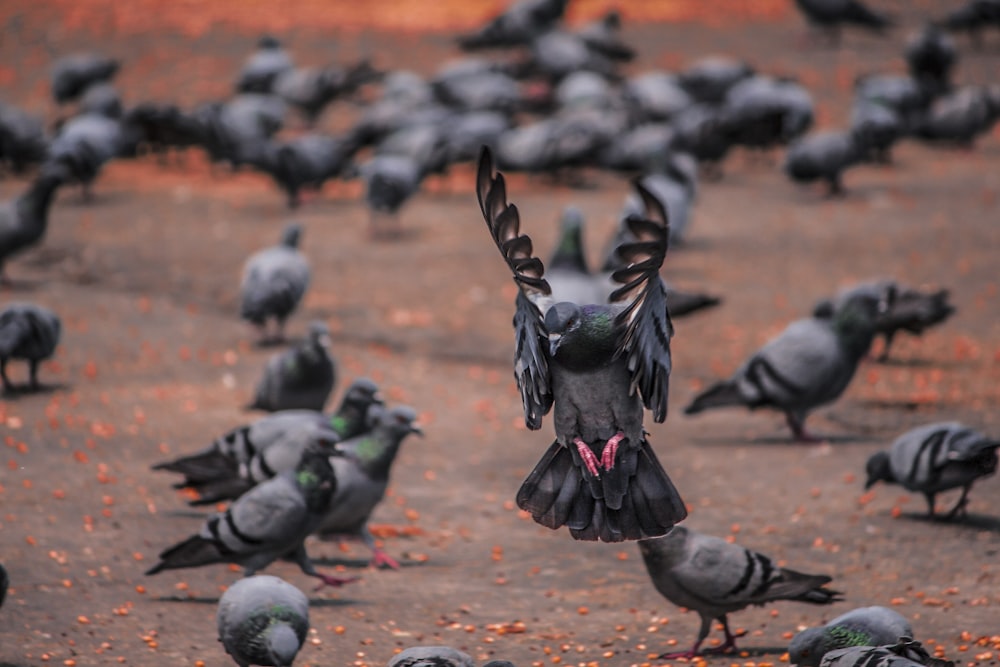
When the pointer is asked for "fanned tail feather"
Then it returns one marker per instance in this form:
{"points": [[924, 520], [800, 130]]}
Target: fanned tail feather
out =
{"points": [[718, 395]]}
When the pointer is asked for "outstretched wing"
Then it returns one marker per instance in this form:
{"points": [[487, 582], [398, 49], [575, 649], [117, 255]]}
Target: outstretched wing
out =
{"points": [[645, 320], [531, 368]]}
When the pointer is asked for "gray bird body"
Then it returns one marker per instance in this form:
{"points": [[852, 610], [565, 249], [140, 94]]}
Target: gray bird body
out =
{"points": [[29, 332], [518, 24], [469, 132], [85, 143], [22, 138], [763, 111], [300, 378], [640, 148], [656, 95], [832, 14], [675, 192], [274, 281], [903, 94], [311, 89], [73, 74], [905, 653], [263, 66], [961, 116], [431, 656], [557, 54], [714, 577], [934, 458], [102, 99], [307, 161], [877, 127], [823, 156], [567, 272], [865, 626], [24, 219], [263, 620], [709, 80], [485, 91]]}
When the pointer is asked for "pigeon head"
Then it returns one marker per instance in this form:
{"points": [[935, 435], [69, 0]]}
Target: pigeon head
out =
{"points": [[401, 420], [805, 647], [291, 235], [282, 644], [268, 42], [314, 475], [855, 321], [823, 310], [319, 334], [365, 392], [579, 335], [662, 552], [878, 469], [562, 320]]}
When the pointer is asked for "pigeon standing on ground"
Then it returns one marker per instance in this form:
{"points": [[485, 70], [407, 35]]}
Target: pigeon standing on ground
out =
{"points": [[308, 160], [831, 15], [935, 458], [274, 281], [29, 332], [807, 365], [300, 378], [865, 626], [972, 17], [824, 156], [263, 66], [24, 219], [263, 620], [362, 466], [931, 56], [566, 271], [715, 578], [73, 74], [598, 364], [22, 139], [87, 142], [270, 521], [961, 116]]}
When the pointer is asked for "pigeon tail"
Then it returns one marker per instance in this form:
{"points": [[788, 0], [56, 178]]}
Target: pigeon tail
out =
{"points": [[719, 395], [205, 466], [802, 587], [192, 552], [214, 491]]}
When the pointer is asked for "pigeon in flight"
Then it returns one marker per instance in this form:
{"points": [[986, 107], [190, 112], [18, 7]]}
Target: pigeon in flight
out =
{"points": [[263, 620]]}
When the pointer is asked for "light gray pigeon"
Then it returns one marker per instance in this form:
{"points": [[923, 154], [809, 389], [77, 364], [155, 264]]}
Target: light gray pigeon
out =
{"points": [[904, 653], [24, 219], [274, 281], [263, 66], [301, 378], [824, 156], [270, 521], [831, 15], [519, 24], [598, 364], [238, 460], [656, 95], [865, 626], [30, 332], [934, 458], [73, 74], [807, 365], [714, 578], [263, 620], [362, 465], [431, 656]]}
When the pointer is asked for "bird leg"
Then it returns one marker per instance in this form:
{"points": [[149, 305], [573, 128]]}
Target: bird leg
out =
{"points": [[379, 557], [887, 336], [301, 558], [930, 505], [959, 508], [798, 429], [706, 625], [611, 450], [7, 386], [590, 461], [726, 646], [336, 582], [33, 374]]}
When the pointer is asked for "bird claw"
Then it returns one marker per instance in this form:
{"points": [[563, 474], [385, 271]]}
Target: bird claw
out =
{"points": [[611, 450], [590, 461], [335, 582], [382, 558]]}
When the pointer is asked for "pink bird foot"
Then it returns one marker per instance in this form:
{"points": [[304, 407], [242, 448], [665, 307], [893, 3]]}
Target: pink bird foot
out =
{"points": [[589, 459], [611, 450], [382, 558], [333, 581]]}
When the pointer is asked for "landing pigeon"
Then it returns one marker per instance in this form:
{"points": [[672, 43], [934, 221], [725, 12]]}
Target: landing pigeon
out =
{"points": [[935, 458], [29, 332], [714, 578], [865, 626], [24, 219], [831, 15], [274, 281], [599, 364], [807, 365], [263, 620], [300, 378], [73, 74]]}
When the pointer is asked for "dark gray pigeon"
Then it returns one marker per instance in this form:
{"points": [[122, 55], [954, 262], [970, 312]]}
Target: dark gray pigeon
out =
{"points": [[263, 66], [22, 139], [557, 54], [904, 653], [274, 282], [162, 127], [29, 332], [715, 578], [655, 96], [761, 112], [831, 15], [639, 148], [709, 80], [959, 117], [270, 521], [263, 620], [468, 132], [73, 74], [237, 130], [877, 128], [103, 99], [519, 24], [362, 466], [865, 626], [674, 184], [598, 364], [311, 89], [237, 460], [567, 272], [300, 378], [604, 36], [807, 365], [307, 161], [931, 56], [910, 309], [903, 94], [390, 181], [24, 219], [824, 156], [934, 458], [973, 17], [87, 142], [431, 656]]}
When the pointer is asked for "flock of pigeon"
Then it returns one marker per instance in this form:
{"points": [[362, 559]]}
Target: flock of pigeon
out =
{"points": [[591, 346]]}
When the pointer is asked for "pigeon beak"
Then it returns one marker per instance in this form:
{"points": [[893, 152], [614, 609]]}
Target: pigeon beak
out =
{"points": [[416, 430], [325, 341], [554, 341], [377, 398]]}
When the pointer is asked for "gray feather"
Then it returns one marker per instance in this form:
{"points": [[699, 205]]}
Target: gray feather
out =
{"points": [[301, 378], [274, 280], [865, 626], [263, 620]]}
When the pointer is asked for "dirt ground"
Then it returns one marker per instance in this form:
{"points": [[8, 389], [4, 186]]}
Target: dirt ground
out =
{"points": [[154, 362]]}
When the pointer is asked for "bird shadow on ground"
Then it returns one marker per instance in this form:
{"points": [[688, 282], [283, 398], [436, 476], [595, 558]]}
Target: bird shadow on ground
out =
{"points": [[190, 514], [976, 521], [16, 392], [19, 285], [313, 602], [361, 563]]}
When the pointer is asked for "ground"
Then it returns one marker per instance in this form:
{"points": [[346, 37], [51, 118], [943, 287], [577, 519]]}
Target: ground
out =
{"points": [[154, 362]]}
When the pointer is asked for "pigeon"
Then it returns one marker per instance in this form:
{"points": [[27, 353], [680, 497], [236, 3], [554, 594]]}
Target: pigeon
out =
{"points": [[263, 620], [268, 522], [468, 132], [961, 116], [761, 112], [362, 465], [865, 626], [807, 365], [390, 181], [163, 126], [300, 378], [910, 309], [972, 17], [877, 128], [30, 332], [73, 74], [274, 281], [102, 99], [934, 458], [640, 148], [308, 160], [709, 80], [24, 219], [704, 132], [237, 460], [237, 130], [903, 94], [519, 24], [87, 142], [824, 156], [311, 89], [431, 656], [674, 185], [715, 578], [604, 36], [483, 91], [263, 66], [830, 15], [598, 364], [4, 583], [567, 272], [22, 139], [655, 96], [557, 54], [904, 653], [931, 56]]}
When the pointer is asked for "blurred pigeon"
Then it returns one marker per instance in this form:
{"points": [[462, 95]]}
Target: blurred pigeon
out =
{"points": [[29, 332], [604, 36], [683, 303], [274, 281], [904, 653], [85, 143], [239, 459], [567, 272], [656, 96], [935, 458], [484, 91], [585, 89], [308, 160], [674, 184], [830, 15], [931, 56], [807, 365], [73, 74], [468, 132], [703, 131], [709, 80], [431, 656], [599, 364], [4, 583], [22, 139], [824, 156], [164, 126], [714, 578], [557, 54], [311, 89], [237, 130], [24, 219], [910, 309], [263, 620], [300, 378], [268, 522], [263, 66], [640, 148], [362, 466], [877, 128], [961, 116], [522, 21], [973, 17], [865, 626], [103, 99], [903, 94], [762, 111]]}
